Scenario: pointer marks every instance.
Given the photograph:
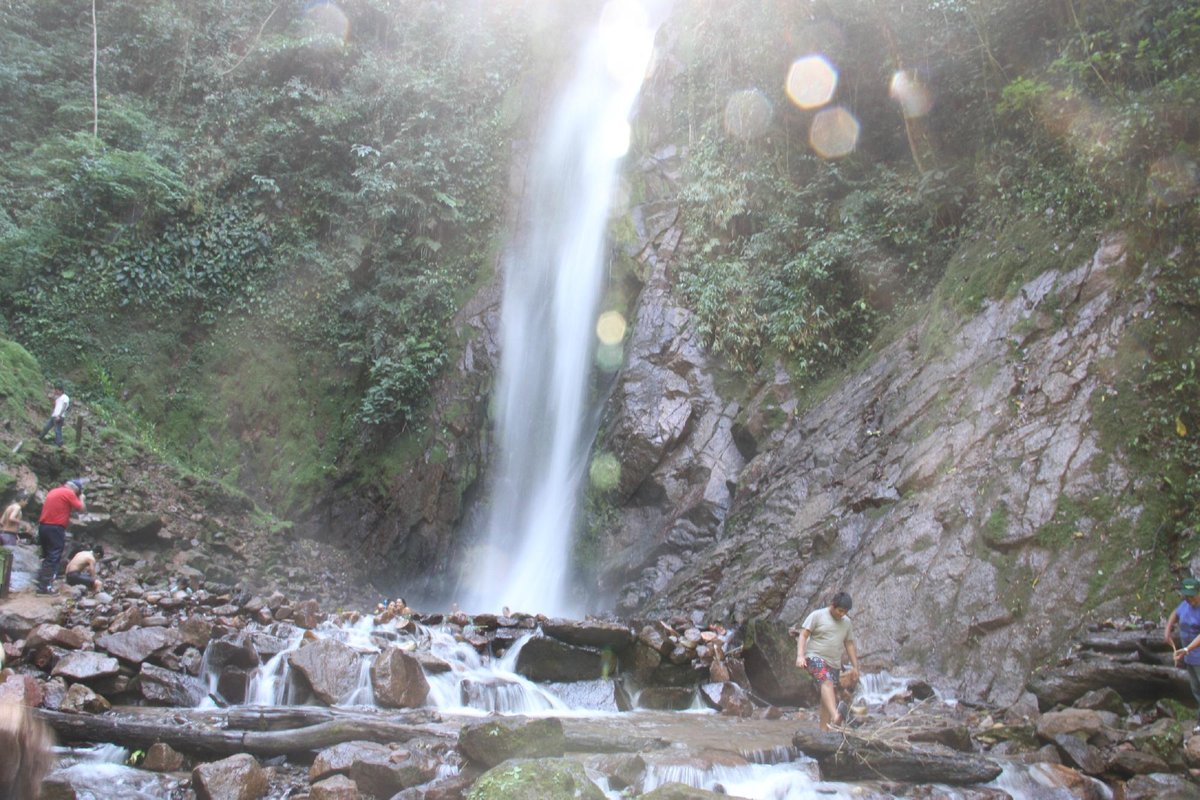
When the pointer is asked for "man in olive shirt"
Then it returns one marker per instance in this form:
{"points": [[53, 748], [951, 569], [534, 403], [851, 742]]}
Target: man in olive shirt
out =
{"points": [[823, 636]]}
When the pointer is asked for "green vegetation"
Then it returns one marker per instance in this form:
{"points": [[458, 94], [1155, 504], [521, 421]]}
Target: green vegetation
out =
{"points": [[284, 207]]}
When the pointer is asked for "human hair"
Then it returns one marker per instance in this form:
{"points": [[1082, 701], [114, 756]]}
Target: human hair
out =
{"points": [[25, 742], [842, 600]]}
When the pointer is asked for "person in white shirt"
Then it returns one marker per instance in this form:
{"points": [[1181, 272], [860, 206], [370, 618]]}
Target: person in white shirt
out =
{"points": [[823, 635], [61, 404]]}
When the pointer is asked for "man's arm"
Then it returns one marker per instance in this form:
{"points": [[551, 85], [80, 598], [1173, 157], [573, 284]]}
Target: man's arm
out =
{"points": [[852, 651], [1171, 620], [801, 659]]}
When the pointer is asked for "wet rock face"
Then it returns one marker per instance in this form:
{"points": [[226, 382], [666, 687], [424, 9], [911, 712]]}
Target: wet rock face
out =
{"points": [[329, 667], [235, 778], [924, 487], [398, 680]]}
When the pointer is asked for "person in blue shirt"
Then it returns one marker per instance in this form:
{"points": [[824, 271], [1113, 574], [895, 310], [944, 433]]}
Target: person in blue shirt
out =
{"points": [[1187, 616]]}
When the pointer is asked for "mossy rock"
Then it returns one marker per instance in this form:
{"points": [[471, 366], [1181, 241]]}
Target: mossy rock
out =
{"points": [[493, 742], [1162, 738], [541, 779]]}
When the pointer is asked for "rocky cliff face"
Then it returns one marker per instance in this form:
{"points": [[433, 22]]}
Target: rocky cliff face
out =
{"points": [[947, 487]]}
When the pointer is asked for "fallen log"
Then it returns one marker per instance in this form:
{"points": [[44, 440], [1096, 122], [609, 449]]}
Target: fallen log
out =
{"points": [[189, 734], [846, 757]]}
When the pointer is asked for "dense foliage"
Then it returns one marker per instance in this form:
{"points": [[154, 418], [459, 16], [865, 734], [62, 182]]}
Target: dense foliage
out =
{"points": [[284, 206]]}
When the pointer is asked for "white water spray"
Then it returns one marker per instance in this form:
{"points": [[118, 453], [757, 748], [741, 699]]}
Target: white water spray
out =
{"points": [[553, 278]]}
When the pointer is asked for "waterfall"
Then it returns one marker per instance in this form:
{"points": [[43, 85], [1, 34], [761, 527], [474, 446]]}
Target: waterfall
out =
{"points": [[553, 276]]}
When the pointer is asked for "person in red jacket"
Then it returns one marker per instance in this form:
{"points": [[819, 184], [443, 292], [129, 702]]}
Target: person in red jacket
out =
{"points": [[52, 529]]}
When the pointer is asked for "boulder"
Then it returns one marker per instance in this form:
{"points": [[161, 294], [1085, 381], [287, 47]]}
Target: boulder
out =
{"points": [[329, 667], [543, 779], [86, 666], [196, 631], [398, 680], [164, 687], [666, 698], [1134, 681], [222, 653], [137, 644], [769, 654], [490, 743], [126, 620], [337, 787], [385, 775], [235, 778], [1079, 753], [22, 613], [545, 659], [23, 690], [336, 760], [728, 698], [1127, 762], [162, 758], [589, 633], [849, 757], [137, 528], [1161, 786], [1162, 738], [82, 700], [1082, 721], [1104, 699], [57, 635]]}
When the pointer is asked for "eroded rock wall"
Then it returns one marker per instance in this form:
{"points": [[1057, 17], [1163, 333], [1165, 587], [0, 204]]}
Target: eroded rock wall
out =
{"points": [[924, 485]]}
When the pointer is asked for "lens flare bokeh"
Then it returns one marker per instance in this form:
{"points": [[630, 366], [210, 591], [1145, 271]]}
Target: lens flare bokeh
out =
{"points": [[907, 90], [834, 133], [811, 82]]}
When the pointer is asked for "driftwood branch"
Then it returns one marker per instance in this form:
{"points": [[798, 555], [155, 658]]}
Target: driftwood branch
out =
{"points": [[266, 734]]}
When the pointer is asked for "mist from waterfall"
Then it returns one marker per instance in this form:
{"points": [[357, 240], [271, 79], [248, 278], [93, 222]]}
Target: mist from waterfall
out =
{"points": [[553, 276]]}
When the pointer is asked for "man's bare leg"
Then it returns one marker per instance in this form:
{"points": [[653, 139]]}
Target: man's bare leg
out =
{"points": [[829, 705]]}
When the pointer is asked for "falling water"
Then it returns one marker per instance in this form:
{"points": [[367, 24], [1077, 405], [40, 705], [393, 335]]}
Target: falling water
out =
{"points": [[553, 277]]}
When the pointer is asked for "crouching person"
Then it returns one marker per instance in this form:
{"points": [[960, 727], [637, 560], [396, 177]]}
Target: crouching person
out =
{"points": [[81, 569]]}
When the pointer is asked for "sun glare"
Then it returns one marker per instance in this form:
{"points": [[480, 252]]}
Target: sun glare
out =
{"points": [[811, 82], [747, 114]]}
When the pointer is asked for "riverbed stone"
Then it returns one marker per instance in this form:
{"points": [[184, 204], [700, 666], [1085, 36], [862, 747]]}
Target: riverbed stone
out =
{"points": [[162, 757], [137, 644], [666, 698], [338, 758], [235, 778], [769, 655], [1161, 786], [57, 635], [164, 687], [329, 667], [398, 680], [540, 779], [383, 775], [490, 743], [82, 700], [86, 665], [23, 690], [1163, 738], [545, 659], [1082, 721], [336, 787], [1134, 681], [1127, 762], [589, 632], [223, 653], [728, 698], [22, 613]]}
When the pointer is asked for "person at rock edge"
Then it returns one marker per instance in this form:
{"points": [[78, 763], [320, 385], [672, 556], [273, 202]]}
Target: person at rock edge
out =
{"points": [[823, 635], [1187, 615], [81, 569], [10, 520], [61, 404], [52, 529]]}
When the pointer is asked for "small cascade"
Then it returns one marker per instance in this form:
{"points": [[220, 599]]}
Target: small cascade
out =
{"points": [[795, 780], [475, 686], [99, 773], [877, 689]]}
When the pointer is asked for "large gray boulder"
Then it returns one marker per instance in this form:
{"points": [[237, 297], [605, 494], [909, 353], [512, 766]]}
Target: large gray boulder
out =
{"points": [[398, 680], [545, 659], [329, 667], [138, 644], [490, 743]]}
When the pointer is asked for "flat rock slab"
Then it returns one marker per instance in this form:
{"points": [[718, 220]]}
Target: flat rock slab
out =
{"points": [[21, 613], [1134, 681], [847, 757]]}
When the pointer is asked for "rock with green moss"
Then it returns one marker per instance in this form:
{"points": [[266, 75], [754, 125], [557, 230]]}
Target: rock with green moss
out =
{"points": [[1162, 738], [495, 741], [541, 779]]}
